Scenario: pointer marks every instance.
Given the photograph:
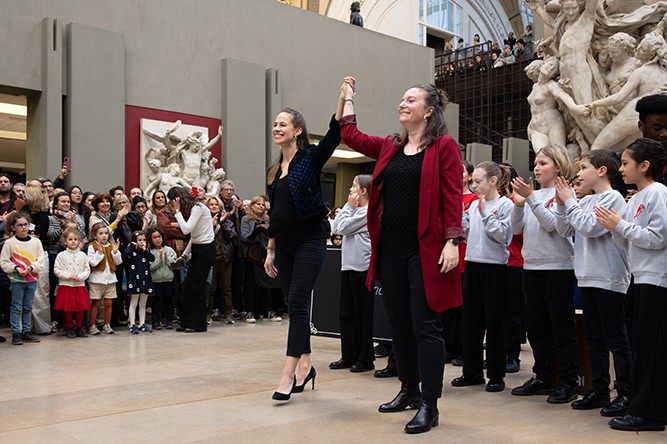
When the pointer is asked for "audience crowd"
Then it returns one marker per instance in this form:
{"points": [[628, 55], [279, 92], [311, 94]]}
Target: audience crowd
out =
{"points": [[480, 56]]}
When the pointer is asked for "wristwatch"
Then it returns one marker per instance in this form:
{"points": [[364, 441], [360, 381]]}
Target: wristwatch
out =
{"points": [[455, 242]]}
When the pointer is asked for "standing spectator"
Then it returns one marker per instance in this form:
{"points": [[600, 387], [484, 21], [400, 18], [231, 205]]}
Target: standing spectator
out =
{"points": [[19, 190], [6, 197], [21, 258], [528, 37], [77, 205], [138, 257], [72, 269], [195, 219], [37, 205], [163, 275], [522, 53], [224, 257], [103, 257], [47, 185], [254, 226], [234, 208], [510, 40]]}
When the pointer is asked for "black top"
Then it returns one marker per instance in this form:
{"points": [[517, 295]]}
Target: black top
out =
{"points": [[401, 200], [286, 225]]}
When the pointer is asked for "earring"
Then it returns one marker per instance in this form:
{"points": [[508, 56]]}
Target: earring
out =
{"points": [[425, 119]]}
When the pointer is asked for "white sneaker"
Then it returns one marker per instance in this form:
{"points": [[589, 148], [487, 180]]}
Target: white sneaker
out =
{"points": [[250, 318], [93, 330], [274, 318], [107, 329]]}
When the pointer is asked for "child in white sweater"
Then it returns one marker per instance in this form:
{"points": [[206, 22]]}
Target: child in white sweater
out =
{"points": [[72, 269]]}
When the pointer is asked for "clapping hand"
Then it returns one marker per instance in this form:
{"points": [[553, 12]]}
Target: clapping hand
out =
{"points": [[116, 246], [522, 188], [563, 191], [607, 218], [481, 203]]}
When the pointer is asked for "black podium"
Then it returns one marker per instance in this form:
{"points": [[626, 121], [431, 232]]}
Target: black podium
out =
{"points": [[326, 297]]}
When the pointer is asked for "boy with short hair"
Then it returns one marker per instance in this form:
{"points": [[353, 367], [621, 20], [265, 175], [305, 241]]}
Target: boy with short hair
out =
{"points": [[603, 274]]}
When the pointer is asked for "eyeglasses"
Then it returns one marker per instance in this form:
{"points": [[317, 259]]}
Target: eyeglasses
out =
{"points": [[22, 225]]}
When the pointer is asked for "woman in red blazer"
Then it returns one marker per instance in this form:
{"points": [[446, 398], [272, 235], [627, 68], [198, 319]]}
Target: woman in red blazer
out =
{"points": [[414, 221]]}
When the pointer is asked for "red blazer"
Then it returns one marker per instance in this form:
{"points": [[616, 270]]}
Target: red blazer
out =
{"points": [[439, 218]]}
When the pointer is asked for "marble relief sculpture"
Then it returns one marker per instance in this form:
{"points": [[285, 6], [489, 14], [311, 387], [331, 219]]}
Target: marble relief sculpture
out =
{"points": [[174, 154], [611, 53]]}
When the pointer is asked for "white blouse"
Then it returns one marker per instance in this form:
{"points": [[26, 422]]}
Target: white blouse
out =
{"points": [[199, 226]]}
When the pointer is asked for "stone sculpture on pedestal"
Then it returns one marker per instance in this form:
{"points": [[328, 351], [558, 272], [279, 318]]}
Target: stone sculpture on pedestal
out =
{"points": [[178, 160]]}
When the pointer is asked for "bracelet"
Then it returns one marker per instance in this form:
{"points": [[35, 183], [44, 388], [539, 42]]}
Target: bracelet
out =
{"points": [[350, 100]]}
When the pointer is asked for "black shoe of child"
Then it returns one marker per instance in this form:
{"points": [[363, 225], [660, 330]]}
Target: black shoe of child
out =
{"points": [[28, 337], [71, 333]]}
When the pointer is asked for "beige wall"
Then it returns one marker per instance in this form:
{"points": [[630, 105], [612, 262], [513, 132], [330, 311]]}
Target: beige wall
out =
{"points": [[174, 52]]}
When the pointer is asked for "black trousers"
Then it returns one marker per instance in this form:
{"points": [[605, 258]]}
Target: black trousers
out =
{"points": [[195, 291], [551, 323], [516, 305], [356, 317], [649, 346], [416, 330], [162, 303], [298, 267], [452, 329], [604, 324], [255, 299], [485, 311]]}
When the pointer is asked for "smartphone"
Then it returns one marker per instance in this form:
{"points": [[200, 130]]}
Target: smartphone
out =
{"points": [[67, 162]]}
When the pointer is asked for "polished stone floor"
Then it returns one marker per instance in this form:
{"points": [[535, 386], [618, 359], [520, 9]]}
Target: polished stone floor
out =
{"points": [[170, 387]]}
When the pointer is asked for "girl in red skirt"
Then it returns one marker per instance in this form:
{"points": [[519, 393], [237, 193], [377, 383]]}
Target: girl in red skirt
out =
{"points": [[72, 269]]}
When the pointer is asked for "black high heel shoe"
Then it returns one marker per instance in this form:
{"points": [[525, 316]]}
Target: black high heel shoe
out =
{"points": [[284, 397], [311, 375]]}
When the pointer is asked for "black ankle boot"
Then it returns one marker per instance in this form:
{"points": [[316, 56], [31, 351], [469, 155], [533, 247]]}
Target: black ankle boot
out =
{"points": [[426, 417], [407, 397]]}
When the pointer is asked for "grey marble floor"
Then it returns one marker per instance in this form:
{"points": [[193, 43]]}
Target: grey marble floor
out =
{"points": [[170, 387]]}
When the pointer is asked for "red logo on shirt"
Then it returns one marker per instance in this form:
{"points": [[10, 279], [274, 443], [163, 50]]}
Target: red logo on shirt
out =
{"points": [[551, 201], [640, 208]]}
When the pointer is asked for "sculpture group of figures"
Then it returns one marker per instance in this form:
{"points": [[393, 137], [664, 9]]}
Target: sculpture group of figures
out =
{"points": [[183, 162], [603, 56]]}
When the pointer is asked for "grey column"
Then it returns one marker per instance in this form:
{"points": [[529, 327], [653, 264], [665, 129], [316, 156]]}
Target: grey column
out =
{"points": [[44, 147], [95, 107], [244, 120]]}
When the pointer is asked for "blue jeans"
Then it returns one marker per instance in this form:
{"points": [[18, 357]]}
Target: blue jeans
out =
{"points": [[20, 312]]}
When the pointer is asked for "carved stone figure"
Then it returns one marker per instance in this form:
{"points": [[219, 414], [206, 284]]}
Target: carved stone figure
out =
{"points": [[168, 179], [547, 124], [182, 159], [650, 78], [215, 183], [595, 40], [621, 48]]}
